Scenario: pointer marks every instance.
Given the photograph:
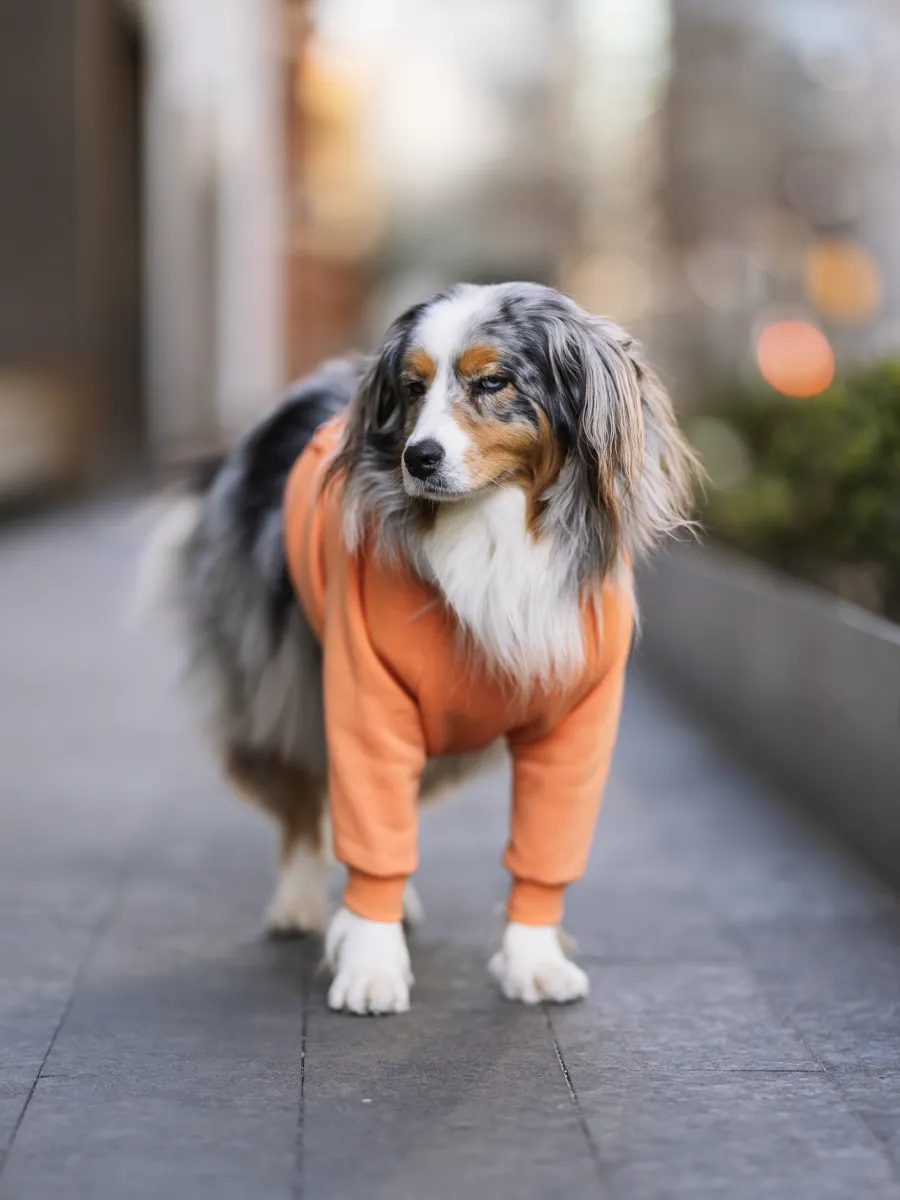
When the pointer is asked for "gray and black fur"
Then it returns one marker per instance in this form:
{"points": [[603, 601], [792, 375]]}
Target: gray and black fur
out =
{"points": [[253, 659]]}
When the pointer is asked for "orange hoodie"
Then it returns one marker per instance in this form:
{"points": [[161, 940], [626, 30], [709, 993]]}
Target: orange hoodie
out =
{"points": [[398, 690]]}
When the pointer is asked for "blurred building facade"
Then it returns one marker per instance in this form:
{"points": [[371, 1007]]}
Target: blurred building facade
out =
{"points": [[208, 197], [331, 218], [70, 242], [141, 245], [214, 203]]}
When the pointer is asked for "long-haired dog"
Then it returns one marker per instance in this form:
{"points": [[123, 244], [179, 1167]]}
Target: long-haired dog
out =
{"points": [[408, 562]]}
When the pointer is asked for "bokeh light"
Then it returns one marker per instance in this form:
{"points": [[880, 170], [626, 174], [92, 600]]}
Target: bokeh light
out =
{"points": [[843, 280], [795, 358]]}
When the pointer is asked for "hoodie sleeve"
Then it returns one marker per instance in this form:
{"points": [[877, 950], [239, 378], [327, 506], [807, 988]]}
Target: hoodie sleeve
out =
{"points": [[376, 751], [558, 781]]}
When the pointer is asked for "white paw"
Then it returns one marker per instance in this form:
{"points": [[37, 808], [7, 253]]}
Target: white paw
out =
{"points": [[413, 909], [370, 963], [531, 966], [298, 905]]}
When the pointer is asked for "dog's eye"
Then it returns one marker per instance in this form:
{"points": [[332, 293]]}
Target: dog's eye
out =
{"points": [[415, 388], [492, 383]]}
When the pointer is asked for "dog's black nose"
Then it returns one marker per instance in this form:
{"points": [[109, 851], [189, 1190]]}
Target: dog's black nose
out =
{"points": [[423, 458]]}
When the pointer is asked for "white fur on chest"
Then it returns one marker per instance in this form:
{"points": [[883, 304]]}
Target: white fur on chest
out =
{"points": [[504, 586]]}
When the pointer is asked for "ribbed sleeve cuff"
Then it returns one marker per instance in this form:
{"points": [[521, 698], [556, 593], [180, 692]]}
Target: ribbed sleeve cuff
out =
{"points": [[532, 903], [378, 898]]}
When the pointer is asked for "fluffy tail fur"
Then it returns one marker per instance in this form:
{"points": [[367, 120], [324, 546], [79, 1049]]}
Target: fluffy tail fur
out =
{"points": [[161, 565]]}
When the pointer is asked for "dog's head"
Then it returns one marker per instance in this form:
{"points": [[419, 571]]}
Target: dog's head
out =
{"points": [[482, 387]]}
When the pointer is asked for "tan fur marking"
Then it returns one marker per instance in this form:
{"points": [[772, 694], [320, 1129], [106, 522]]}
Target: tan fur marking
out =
{"points": [[476, 360], [418, 363], [549, 463], [513, 452]]}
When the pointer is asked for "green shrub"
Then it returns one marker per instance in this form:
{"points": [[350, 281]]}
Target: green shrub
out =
{"points": [[822, 494]]}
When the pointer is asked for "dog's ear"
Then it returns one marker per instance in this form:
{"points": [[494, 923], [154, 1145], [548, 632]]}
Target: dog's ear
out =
{"points": [[662, 495], [380, 399], [377, 414], [634, 462]]}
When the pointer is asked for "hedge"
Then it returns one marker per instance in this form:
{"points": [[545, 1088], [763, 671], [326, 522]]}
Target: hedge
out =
{"points": [[820, 495]]}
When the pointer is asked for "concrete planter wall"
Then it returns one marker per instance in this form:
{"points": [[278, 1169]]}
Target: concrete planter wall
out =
{"points": [[805, 680]]}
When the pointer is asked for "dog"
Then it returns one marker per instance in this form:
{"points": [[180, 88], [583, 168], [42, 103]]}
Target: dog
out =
{"points": [[411, 561]]}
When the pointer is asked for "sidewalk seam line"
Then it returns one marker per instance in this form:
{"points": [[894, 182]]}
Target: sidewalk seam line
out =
{"points": [[124, 879], [593, 1149], [298, 1186], [733, 930]]}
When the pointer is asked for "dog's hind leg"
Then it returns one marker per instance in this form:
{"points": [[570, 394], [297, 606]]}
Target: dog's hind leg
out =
{"points": [[297, 800]]}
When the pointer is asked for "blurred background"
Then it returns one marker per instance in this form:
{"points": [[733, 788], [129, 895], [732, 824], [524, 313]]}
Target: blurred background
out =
{"points": [[203, 198]]}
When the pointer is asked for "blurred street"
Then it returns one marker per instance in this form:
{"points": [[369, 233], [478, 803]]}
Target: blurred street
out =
{"points": [[741, 1038]]}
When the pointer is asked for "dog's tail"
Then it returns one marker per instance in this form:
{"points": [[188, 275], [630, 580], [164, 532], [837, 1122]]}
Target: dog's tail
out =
{"points": [[159, 584]]}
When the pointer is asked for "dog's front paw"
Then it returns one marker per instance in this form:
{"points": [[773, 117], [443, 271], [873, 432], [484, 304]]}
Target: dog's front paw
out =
{"points": [[531, 966], [370, 963]]}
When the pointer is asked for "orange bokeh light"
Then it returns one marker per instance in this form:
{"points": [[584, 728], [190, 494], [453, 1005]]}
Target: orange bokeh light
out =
{"points": [[843, 280], [795, 358]]}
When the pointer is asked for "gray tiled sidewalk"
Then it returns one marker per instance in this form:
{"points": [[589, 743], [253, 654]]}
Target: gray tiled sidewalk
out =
{"points": [[742, 1039]]}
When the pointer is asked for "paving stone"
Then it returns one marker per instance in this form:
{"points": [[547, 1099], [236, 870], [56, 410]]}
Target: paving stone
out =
{"points": [[731, 1136], [79, 1142], [677, 1016], [183, 1073], [16, 1083], [654, 923], [462, 1096], [838, 983], [38, 962], [875, 1097]]}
